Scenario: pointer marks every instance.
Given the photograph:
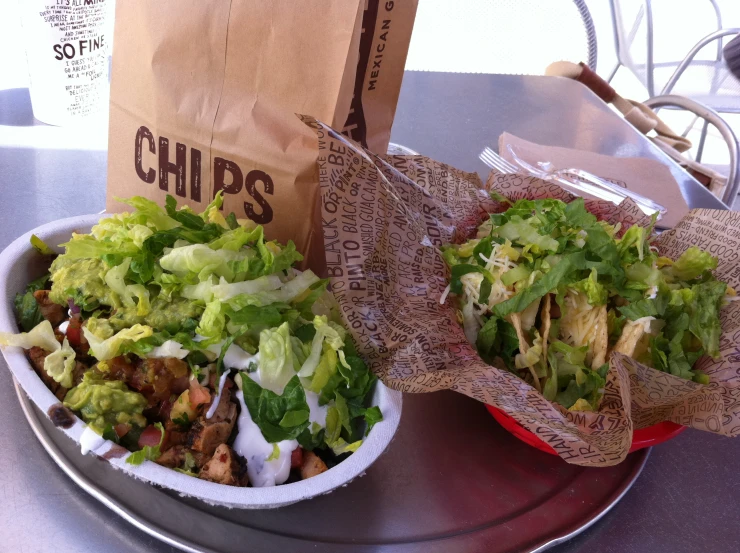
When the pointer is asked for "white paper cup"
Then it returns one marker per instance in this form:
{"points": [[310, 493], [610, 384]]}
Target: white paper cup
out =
{"points": [[68, 44], [20, 263]]}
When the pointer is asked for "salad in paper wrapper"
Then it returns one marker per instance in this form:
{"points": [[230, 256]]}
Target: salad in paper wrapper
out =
{"points": [[549, 292], [192, 341], [567, 316]]}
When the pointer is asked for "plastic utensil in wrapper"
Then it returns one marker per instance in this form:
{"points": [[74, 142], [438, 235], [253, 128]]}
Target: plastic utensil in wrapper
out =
{"points": [[385, 218], [578, 182]]}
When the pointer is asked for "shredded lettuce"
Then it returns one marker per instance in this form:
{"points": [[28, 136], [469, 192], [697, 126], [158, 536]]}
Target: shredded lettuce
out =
{"points": [[41, 336], [282, 416], [545, 252], [693, 263], [225, 291], [148, 452], [532, 356], [110, 347], [336, 421], [594, 291], [59, 363], [199, 259], [26, 305], [328, 333], [549, 281], [632, 245], [153, 213], [212, 322], [525, 233], [288, 292], [41, 246], [276, 358], [169, 348], [703, 309]]}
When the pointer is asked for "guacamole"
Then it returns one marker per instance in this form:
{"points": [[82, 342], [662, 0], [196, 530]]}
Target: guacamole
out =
{"points": [[81, 279], [163, 314], [106, 402]]}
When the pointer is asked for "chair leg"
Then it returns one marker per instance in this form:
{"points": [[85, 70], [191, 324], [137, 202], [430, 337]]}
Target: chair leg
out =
{"points": [[702, 140], [614, 72], [686, 132]]}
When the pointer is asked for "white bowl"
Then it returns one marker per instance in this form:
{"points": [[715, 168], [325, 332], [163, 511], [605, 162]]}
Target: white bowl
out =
{"points": [[20, 264]]}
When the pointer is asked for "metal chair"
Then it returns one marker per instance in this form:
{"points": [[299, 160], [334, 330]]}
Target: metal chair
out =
{"points": [[500, 36], [718, 89], [709, 116]]}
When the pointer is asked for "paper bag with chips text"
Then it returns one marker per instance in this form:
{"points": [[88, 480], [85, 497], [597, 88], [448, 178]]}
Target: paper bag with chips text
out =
{"points": [[204, 96]]}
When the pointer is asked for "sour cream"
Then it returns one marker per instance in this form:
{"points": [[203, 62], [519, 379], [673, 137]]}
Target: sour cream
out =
{"points": [[63, 327], [217, 399], [90, 440], [251, 444], [645, 322], [318, 412], [170, 348], [235, 358]]}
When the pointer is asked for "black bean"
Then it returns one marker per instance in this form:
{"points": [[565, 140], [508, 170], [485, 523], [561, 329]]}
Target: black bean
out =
{"points": [[61, 416]]}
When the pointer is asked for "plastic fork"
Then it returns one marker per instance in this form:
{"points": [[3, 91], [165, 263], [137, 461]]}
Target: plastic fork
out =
{"points": [[574, 180], [495, 161]]}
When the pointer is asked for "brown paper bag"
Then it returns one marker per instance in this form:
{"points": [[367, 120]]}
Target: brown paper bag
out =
{"points": [[204, 96], [384, 220], [384, 44]]}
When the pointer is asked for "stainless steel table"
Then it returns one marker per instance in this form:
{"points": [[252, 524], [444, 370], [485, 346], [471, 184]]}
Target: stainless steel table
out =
{"points": [[688, 496]]}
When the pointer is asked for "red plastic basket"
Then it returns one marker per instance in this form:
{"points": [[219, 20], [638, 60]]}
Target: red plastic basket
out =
{"points": [[644, 437]]}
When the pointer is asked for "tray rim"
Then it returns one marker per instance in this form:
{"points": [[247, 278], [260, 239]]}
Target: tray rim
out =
{"points": [[150, 527]]}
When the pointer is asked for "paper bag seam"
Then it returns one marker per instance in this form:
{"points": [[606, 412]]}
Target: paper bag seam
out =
{"points": [[220, 97]]}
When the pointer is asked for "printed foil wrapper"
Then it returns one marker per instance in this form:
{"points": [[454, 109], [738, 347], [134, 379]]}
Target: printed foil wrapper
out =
{"points": [[384, 219]]}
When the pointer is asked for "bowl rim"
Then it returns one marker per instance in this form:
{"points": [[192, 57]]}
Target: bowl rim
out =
{"points": [[219, 494], [641, 437]]}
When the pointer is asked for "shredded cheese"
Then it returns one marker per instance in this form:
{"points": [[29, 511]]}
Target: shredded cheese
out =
{"points": [[580, 322], [445, 294], [497, 264]]}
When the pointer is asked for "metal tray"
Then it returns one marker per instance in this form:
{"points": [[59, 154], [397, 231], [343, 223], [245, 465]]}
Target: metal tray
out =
{"points": [[452, 480]]}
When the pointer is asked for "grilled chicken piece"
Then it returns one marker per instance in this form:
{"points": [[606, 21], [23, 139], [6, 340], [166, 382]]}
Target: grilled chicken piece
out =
{"points": [[159, 378], [207, 434], [226, 409], [173, 457], [312, 465], [296, 458], [37, 357], [206, 437], [174, 435], [51, 311], [223, 467], [78, 372], [156, 379]]}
